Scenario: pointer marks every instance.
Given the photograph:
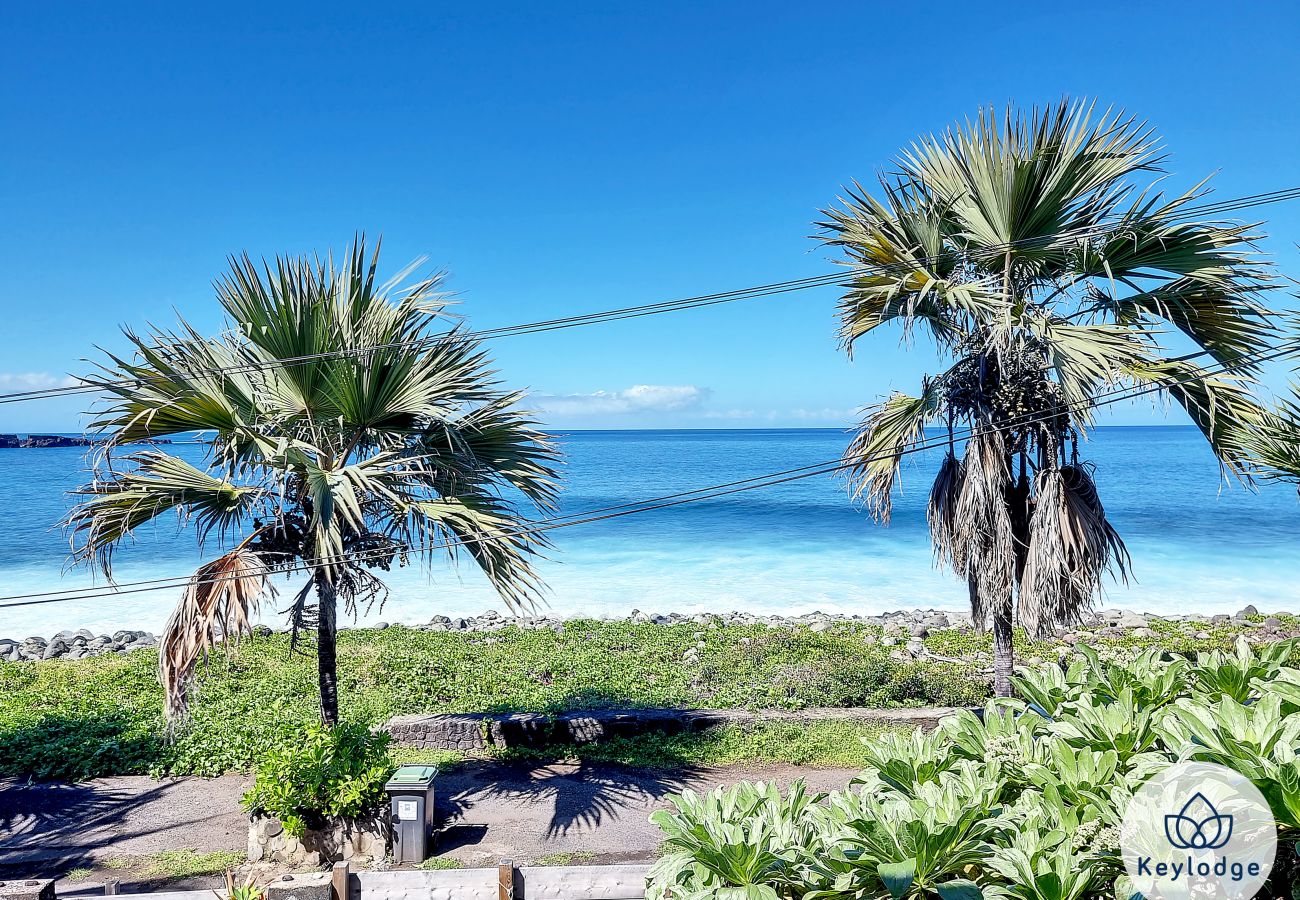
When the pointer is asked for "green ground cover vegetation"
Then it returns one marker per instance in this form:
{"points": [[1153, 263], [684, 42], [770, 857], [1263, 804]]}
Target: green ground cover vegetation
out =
{"points": [[104, 715]]}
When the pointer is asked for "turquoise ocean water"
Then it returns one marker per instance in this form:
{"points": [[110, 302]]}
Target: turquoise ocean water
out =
{"points": [[1198, 545]]}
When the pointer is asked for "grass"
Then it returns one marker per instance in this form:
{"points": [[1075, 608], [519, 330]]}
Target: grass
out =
{"points": [[415, 756], [817, 744], [576, 858], [103, 715], [439, 862], [175, 864]]}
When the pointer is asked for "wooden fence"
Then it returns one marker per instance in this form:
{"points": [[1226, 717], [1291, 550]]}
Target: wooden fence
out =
{"points": [[502, 882]]}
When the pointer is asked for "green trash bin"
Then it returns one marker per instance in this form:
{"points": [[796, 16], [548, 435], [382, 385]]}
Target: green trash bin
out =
{"points": [[410, 792]]}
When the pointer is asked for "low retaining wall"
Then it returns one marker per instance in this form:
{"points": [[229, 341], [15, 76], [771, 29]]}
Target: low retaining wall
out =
{"points": [[480, 731], [359, 841]]}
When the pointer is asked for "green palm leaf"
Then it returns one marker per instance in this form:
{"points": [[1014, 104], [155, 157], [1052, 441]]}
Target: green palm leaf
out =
{"points": [[876, 451]]}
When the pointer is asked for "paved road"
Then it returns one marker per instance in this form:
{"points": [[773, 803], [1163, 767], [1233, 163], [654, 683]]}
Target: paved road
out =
{"points": [[487, 811], [135, 815], [524, 812]]}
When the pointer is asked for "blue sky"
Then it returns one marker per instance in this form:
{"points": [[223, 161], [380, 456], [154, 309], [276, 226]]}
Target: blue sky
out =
{"points": [[561, 158]]}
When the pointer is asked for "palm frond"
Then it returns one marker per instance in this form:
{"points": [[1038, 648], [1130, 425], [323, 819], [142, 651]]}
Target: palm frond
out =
{"points": [[1088, 357], [219, 603], [874, 454], [1201, 277], [175, 382], [983, 523], [494, 440], [948, 541], [1273, 442], [487, 531], [156, 483], [1222, 406], [1231, 327], [1032, 179], [1071, 546], [905, 270]]}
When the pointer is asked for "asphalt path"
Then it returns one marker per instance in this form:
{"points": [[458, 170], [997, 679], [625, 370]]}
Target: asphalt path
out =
{"points": [[487, 811]]}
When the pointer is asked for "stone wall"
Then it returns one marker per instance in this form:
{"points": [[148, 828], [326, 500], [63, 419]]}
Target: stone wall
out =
{"points": [[358, 841], [477, 732]]}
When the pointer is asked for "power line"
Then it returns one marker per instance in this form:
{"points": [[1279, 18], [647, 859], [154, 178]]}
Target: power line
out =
{"points": [[667, 501], [632, 312]]}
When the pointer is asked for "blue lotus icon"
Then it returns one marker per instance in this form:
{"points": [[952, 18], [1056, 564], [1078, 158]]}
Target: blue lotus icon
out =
{"points": [[1198, 825]]}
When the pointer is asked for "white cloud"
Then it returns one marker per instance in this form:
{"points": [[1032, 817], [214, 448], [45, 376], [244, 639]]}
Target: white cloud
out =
{"points": [[34, 381], [639, 398], [730, 414], [825, 414]]}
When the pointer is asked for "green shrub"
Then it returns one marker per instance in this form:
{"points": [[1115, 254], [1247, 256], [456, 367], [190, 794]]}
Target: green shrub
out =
{"points": [[325, 772], [747, 836]]}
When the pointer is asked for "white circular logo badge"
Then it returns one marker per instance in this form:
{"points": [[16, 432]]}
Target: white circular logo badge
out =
{"points": [[1197, 830]]}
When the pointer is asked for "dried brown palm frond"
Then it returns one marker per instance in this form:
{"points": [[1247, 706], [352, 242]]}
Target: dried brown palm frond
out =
{"points": [[949, 547], [1020, 506], [1071, 546], [219, 602], [983, 524]]}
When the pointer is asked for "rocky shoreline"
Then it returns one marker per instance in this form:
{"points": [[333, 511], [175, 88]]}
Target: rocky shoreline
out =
{"points": [[74, 645], [902, 628]]}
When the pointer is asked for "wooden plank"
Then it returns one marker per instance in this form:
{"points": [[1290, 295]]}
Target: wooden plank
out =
{"points": [[436, 884], [506, 880], [583, 882], [339, 881]]}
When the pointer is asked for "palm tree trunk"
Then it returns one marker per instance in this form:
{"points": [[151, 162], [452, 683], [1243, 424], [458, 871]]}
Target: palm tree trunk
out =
{"points": [[327, 652], [1003, 651]]}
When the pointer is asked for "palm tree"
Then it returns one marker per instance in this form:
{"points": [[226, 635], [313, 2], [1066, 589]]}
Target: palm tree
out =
{"points": [[1027, 248], [352, 426]]}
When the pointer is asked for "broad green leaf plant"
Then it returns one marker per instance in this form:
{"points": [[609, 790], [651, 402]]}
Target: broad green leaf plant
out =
{"points": [[1024, 801]]}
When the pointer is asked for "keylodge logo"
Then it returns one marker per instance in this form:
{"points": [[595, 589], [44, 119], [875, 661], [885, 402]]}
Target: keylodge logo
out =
{"points": [[1198, 826]]}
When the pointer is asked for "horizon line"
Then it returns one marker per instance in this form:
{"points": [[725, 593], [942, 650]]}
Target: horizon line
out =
{"points": [[843, 428]]}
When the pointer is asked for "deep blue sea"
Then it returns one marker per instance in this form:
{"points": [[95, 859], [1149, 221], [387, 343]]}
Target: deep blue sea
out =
{"points": [[1198, 545]]}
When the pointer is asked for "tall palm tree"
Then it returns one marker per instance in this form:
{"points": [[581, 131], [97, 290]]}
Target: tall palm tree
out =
{"points": [[1031, 252], [352, 424]]}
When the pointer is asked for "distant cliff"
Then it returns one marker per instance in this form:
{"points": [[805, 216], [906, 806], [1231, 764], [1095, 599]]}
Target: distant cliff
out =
{"points": [[15, 442]]}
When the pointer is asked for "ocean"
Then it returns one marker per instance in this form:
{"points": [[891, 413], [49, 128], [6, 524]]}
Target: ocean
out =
{"points": [[1198, 544]]}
